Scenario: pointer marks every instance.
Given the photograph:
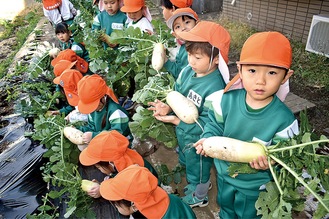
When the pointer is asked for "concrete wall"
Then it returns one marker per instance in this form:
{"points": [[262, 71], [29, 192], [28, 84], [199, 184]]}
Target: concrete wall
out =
{"points": [[10, 9], [291, 17]]}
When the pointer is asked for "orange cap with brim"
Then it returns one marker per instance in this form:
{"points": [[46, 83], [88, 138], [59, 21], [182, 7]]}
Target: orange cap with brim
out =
{"points": [[90, 90], [182, 3], [69, 81], [51, 4], [181, 12], [211, 32], [61, 66], [132, 5], [267, 48], [139, 185], [68, 54], [110, 146]]}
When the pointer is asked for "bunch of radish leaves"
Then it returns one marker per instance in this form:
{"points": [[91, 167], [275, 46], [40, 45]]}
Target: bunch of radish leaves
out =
{"points": [[297, 173], [60, 172]]}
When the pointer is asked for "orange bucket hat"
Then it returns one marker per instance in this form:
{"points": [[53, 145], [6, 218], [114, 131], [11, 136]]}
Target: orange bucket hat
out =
{"points": [[69, 81], [139, 185], [217, 36], [110, 146], [265, 48], [182, 3], [51, 4], [90, 90], [61, 66], [181, 12], [70, 55], [132, 5]]}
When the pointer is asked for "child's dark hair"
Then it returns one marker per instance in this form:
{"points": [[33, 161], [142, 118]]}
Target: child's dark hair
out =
{"points": [[126, 203], [204, 47], [167, 4], [62, 28]]}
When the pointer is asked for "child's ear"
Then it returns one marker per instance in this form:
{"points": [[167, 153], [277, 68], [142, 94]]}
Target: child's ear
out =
{"points": [[216, 60], [288, 75]]}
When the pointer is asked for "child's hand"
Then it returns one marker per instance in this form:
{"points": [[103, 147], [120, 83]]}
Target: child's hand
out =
{"points": [[86, 137], [168, 119], [52, 113], [94, 191], [260, 164], [159, 108], [199, 147], [106, 39]]}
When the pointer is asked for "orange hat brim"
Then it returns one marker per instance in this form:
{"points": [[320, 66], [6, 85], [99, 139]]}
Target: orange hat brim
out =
{"points": [[88, 108], [86, 159]]}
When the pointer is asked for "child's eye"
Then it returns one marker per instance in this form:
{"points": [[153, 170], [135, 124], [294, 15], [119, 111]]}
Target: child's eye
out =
{"points": [[252, 70], [272, 73], [177, 27]]}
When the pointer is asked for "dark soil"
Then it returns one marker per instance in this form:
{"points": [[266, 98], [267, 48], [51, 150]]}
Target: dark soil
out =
{"points": [[319, 115]]}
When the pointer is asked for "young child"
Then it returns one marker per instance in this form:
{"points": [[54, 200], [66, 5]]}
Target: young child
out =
{"points": [[138, 15], [111, 18], [136, 189], [59, 11], [207, 45], [59, 68], [109, 152], [66, 41], [252, 114], [169, 6], [182, 20], [68, 81], [100, 102]]}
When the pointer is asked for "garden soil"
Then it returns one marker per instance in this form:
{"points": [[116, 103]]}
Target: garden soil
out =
{"points": [[319, 117]]}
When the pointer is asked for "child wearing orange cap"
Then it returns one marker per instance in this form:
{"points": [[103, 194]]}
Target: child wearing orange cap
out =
{"points": [[169, 6], [207, 45], [109, 152], [59, 68], [138, 15], [135, 189], [182, 20], [59, 11], [68, 81], [66, 41], [111, 18], [105, 113], [253, 113]]}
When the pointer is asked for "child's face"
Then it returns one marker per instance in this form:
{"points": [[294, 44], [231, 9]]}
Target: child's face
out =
{"points": [[63, 37], [261, 83], [183, 25], [167, 12], [111, 6], [200, 63], [135, 16]]}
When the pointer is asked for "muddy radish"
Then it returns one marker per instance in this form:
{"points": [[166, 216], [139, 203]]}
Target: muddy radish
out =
{"points": [[232, 150], [158, 56], [184, 108], [73, 134]]}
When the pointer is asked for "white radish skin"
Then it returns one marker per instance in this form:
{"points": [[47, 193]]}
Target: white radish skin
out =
{"points": [[54, 52], [232, 150], [87, 185], [158, 55], [182, 107], [74, 135]]}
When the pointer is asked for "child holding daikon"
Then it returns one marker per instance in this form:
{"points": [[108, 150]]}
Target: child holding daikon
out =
{"points": [[111, 18], [109, 152], [105, 113], [207, 45], [138, 14], [253, 113], [135, 189], [182, 20]]}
